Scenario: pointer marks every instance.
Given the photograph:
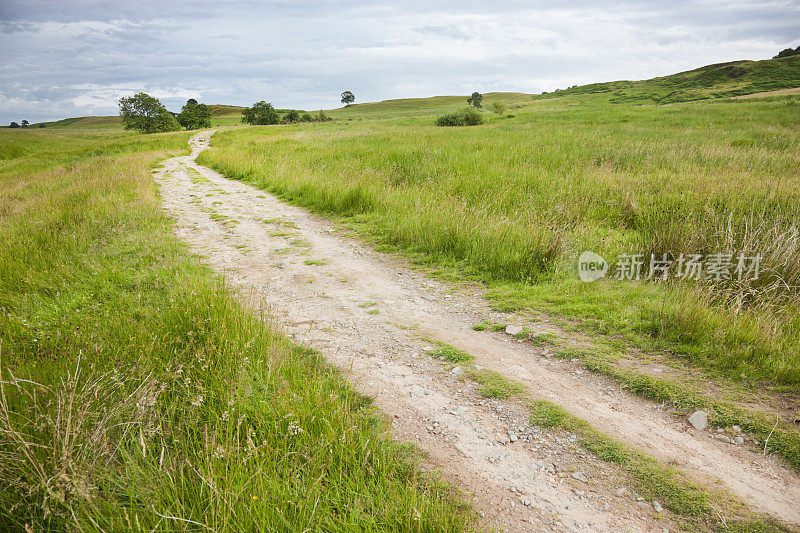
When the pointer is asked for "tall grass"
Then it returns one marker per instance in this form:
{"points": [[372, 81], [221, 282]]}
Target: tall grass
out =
{"points": [[137, 394], [518, 199]]}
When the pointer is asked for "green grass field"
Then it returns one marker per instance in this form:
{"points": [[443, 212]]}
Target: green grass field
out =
{"points": [[516, 200], [138, 395]]}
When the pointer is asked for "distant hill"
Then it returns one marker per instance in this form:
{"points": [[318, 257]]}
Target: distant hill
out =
{"points": [[77, 121], [221, 110], [721, 80]]}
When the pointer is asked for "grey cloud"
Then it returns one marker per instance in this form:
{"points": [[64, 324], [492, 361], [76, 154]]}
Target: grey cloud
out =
{"points": [[74, 58]]}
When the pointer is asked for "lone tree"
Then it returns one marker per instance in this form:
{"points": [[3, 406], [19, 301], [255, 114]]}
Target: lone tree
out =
{"points": [[475, 99], [348, 98], [13, 125], [262, 113], [145, 114], [194, 115], [24, 123]]}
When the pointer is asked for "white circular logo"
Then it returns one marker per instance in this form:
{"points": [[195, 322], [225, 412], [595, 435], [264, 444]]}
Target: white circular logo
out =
{"points": [[591, 267]]}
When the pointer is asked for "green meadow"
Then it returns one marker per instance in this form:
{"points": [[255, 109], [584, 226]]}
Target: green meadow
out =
{"points": [[515, 201], [138, 395]]}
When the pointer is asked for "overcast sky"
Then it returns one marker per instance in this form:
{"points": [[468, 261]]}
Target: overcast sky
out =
{"points": [[66, 58]]}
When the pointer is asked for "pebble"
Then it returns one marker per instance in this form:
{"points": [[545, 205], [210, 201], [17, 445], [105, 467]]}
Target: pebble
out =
{"points": [[513, 330], [512, 436], [657, 507], [723, 438], [699, 420], [457, 371], [620, 491], [738, 440], [580, 476]]}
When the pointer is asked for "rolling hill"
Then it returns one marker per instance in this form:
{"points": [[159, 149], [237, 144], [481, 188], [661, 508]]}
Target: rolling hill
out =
{"points": [[721, 80]]}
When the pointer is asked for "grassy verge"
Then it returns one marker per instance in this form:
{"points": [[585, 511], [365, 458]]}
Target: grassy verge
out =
{"points": [[137, 393]]}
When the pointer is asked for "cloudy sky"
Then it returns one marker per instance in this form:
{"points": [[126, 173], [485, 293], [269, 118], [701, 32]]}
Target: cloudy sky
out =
{"points": [[64, 58]]}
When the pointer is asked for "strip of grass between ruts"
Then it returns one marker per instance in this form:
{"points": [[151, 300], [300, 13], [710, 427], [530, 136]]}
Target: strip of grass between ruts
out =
{"points": [[138, 394], [695, 506]]}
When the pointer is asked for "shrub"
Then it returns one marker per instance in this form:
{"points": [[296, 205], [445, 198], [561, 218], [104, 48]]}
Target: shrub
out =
{"points": [[306, 117], [499, 108], [322, 117], [788, 52], [292, 116], [262, 113], [463, 117]]}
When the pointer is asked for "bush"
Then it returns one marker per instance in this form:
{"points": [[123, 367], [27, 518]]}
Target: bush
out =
{"points": [[306, 117], [292, 116], [788, 52], [262, 113], [463, 117], [499, 108], [322, 117]]}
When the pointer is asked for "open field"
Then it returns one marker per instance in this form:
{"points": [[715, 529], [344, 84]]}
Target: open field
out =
{"points": [[372, 315], [137, 393], [516, 200], [184, 348]]}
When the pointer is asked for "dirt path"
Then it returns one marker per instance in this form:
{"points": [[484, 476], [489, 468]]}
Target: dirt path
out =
{"points": [[372, 316]]}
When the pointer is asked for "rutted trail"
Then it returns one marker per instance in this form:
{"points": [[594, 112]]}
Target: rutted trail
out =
{"points": [[372, 316]]}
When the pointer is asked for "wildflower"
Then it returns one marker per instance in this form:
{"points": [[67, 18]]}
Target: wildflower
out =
{"points": [[224, 416], [197, 402], [294, 428], [219, 453]]}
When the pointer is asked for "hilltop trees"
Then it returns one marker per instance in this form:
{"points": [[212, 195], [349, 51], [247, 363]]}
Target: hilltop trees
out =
{"points": [[24, 123], [145, 114], [475, 99], [788, 52], [13, 125], [194, 115], [262, 113], [348, 98]]}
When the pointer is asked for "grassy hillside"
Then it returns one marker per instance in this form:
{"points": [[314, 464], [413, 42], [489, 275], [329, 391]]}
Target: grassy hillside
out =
{"points": [[721, 80], [517, 199], [135, 392]]}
